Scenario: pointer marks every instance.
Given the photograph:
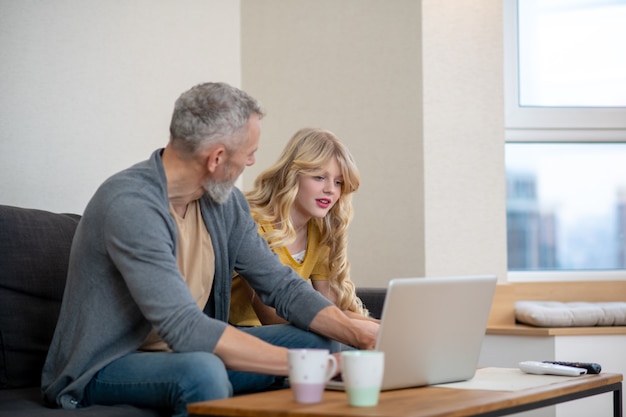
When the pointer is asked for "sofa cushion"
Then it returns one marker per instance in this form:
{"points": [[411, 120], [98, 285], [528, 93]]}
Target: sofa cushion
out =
{"points": [[571, 314], [27, 402], [373, 299], [34, 248]]}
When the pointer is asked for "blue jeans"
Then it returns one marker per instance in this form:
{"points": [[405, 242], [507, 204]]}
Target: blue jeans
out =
{"points": [[172, 380]]}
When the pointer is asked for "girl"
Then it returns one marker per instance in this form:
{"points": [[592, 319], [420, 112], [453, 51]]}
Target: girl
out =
{"points": [[303, 207]]}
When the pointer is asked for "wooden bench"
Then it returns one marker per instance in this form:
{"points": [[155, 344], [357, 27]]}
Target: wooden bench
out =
{"points": [[502, 316]]}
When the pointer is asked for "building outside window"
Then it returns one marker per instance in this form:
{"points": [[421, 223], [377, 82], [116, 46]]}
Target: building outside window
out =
{"points": [[565, 74]]}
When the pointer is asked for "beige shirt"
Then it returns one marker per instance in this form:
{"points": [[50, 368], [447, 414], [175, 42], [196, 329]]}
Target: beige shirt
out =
{"points": [[196, 262]]}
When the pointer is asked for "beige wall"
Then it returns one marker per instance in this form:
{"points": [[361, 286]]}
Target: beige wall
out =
{"points": [[415, 90]]}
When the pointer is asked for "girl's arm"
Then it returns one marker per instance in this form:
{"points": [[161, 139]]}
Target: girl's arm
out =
{"points": [[265, 313], [323, 287]]}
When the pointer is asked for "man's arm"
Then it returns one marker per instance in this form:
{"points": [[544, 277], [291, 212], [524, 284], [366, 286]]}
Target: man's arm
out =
{"points": [[323, 287], [243, 352], [267, 314]]}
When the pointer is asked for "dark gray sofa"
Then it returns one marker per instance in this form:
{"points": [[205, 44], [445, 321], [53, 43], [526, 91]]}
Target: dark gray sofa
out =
{"points": [[34, 253]]}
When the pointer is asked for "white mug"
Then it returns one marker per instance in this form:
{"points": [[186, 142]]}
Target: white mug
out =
{"points": [[309, 370]]}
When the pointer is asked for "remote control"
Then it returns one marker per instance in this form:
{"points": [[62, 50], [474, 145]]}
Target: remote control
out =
{"points": [[543, 368], [591, 367]]}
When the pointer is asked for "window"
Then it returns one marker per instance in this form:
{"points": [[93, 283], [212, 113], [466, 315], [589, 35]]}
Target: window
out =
{"points": [[569, 218], [565, 72], [571, 53], [565, 99]]}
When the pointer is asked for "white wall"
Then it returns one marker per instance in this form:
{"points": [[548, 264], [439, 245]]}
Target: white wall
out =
{"points": [[87, 87], [464, 173], [414, 88]]}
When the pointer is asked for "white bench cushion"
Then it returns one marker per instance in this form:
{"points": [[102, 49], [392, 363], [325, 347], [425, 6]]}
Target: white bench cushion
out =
{"points": [[572, 314]]}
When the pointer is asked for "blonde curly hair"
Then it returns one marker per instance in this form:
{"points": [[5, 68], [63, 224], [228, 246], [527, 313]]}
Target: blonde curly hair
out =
{"points": [[275, 190]]}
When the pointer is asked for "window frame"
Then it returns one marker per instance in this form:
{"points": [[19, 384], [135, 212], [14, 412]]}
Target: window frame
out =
{"points": [[550, 125], [542, 124]]}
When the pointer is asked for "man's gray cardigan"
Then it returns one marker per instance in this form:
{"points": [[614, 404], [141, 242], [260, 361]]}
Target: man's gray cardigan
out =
{"points": [[123, 280]]}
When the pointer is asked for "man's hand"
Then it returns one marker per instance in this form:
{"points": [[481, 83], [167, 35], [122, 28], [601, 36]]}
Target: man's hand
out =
{"points": [[334, 324], [369, 330]]}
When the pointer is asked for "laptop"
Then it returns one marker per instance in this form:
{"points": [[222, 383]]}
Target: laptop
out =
{"points": [[432, 329]]}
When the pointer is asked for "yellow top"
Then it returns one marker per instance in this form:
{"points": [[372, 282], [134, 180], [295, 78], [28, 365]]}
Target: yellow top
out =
{"points": [[313, 267]]}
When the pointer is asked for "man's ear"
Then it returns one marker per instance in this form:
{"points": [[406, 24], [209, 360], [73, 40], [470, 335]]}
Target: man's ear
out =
{"points": [[216, 157]]}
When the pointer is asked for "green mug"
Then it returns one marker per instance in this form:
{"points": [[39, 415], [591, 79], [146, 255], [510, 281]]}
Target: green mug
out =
{"points": [[362, 373]]}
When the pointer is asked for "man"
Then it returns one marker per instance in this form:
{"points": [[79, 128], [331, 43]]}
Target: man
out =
{"points": [[145, 309]]}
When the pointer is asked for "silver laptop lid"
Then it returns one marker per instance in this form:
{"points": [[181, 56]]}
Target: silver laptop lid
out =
{"points": [[432, 329]]}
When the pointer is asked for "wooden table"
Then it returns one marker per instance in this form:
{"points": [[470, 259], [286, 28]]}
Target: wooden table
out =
{"points": [[431, 401]]}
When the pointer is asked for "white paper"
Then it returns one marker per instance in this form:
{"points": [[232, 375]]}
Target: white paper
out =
{"points": [[505, 379]]}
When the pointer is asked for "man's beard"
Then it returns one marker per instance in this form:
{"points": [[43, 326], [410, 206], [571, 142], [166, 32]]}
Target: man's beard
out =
{"points": [[219, 191]]}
